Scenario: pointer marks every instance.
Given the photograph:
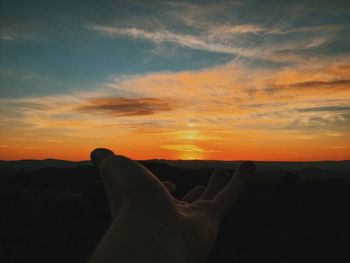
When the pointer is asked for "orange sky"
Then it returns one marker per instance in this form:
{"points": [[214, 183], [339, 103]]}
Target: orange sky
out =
{"points": [[220, 80], [207, 114]]}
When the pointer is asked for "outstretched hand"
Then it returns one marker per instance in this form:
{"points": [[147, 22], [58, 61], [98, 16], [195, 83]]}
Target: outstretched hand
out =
{"points": [[149, 224]]}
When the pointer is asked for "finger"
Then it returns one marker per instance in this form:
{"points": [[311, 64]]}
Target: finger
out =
{"points": [[217, 181], [170, 186], [98, 155], [194, 194], [228, 196], [128, 183]]}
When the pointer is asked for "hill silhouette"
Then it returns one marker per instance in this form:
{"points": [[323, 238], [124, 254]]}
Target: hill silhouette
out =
{"points": [[289, 213], [31, 165]]}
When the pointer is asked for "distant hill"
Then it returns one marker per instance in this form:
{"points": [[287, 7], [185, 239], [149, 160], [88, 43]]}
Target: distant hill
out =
{"points": [[340, 166], [331, 166], [32, 165]]}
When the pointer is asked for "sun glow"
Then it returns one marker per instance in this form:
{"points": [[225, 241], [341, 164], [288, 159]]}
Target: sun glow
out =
{"points": [[191, 155]]}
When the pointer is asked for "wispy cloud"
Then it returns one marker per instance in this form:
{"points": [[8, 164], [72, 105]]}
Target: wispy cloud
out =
{"points": [[326, 109], [8, 37], [234, 30], [19, 35], [162, 36], [232, 39], [310, 29], [187, 148], [330, 84], [183, 147]]}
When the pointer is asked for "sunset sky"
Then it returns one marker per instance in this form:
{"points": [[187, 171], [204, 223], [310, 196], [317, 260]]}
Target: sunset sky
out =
{"points": [[226, 80]]}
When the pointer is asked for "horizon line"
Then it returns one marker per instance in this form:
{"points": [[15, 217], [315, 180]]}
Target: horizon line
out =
{"points": [[185, 160]]}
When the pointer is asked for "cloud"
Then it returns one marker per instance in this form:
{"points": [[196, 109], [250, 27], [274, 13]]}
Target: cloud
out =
{"points": [[244, 40], [186, 148], [183, 147], [339, 147], [162, 36], [305, 30], [119, 106], [237, 29], [8, 35], [326, 109], [8, 38], [339, 83], [220, 28]]}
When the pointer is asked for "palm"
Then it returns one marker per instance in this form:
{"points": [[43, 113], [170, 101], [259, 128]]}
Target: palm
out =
{"points": [[192, 222]]}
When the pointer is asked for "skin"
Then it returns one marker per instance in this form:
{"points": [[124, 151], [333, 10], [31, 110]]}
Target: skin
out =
{"points": [[150, 225]]}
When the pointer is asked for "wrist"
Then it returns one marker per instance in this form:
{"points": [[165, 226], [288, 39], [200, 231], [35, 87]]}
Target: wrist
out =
{"points": [[138, 239]]}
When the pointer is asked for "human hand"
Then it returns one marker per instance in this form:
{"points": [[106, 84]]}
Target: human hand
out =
{"points": [[149, 224]]}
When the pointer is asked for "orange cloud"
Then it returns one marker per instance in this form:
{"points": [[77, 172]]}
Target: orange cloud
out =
{"points": [[232, 112]]}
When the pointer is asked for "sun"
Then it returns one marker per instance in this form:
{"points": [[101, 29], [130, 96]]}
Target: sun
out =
{"points": [[190, 155]]}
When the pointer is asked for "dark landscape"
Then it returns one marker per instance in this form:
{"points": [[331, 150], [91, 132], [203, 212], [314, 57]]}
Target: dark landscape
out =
{"points": [[56, 211]]}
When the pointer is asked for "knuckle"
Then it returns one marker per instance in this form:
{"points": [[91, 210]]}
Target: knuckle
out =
{"points": [[112, 162]]}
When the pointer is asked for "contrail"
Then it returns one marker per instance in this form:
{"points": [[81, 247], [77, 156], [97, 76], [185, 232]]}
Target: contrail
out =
{"points": [[258, 39]]}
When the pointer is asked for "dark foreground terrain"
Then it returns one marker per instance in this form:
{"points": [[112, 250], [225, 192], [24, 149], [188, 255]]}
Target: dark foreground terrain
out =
{"points": [[290, 213]]}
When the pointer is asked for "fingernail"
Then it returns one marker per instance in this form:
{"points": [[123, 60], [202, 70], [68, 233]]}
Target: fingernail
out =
{"points": [[99, 154]]}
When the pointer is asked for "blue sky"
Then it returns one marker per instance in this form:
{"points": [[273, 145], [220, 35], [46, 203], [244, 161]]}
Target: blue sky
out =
{"points": [[52, 47]]}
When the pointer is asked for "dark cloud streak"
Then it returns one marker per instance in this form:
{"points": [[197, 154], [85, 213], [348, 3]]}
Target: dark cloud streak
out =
{"points": [[318, 84], [120, 107], [326, 109]]}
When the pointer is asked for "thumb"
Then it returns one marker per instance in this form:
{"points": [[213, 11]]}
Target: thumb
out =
{"points": [[98, 155], [127, 182]]}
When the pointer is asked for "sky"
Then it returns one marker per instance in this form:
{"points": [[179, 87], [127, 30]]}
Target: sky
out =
{"points": [[223, 80]]}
